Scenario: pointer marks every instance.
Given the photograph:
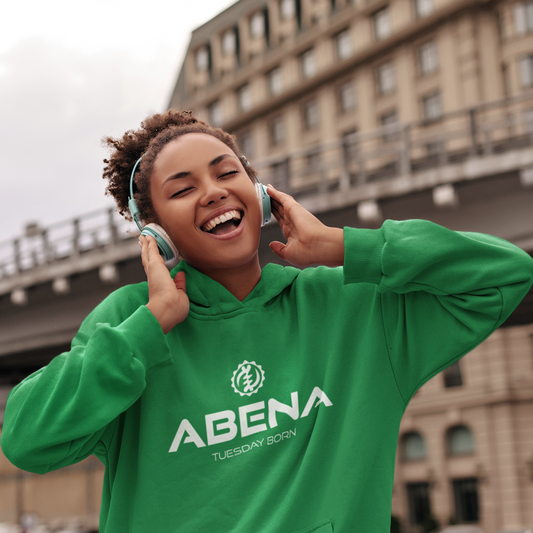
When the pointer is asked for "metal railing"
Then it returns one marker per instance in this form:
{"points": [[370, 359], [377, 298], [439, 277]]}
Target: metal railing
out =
{"points": [[393, 151], [401, 149], [64, 240]]}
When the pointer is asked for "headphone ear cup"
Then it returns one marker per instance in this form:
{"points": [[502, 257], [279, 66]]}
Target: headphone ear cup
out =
{"points": [[166, 247], [264, 203]]}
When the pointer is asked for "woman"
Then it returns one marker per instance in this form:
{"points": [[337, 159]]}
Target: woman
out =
{"points": [[226, 398]]}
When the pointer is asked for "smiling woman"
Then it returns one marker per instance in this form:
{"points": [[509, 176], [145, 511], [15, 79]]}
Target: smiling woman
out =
{"points": [[196, 180], [191, 175], [154, 134], [227, 398]]}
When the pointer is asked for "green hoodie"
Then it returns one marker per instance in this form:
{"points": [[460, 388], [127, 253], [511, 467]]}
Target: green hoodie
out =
{"points": [[277, 414]]}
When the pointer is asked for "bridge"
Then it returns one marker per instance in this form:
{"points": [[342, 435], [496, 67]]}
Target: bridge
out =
{"points": [[469, 170]]}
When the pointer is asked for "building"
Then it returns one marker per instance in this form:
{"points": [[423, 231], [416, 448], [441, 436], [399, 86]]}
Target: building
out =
{"points": [[466, 440], [346, 104], [364, 110], [295, 78]]}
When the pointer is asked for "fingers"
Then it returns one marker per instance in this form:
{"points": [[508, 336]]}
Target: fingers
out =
{"points": [[167, 297], [278, 195], [279, 249], [277, 210], [144, 253], [179, 281], [148, 245], [282, 204], [149, 252], [278, 201]]}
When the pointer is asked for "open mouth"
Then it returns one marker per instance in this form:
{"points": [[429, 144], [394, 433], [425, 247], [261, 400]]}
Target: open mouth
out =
{"points": [[223, 223]]}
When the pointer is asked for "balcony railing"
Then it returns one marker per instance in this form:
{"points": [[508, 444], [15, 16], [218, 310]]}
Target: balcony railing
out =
{"points": [[401, 149], [64, 240], [385, 154]]}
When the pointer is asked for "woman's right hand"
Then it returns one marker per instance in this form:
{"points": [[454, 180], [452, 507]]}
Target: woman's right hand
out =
{"points": [[168, 300]]}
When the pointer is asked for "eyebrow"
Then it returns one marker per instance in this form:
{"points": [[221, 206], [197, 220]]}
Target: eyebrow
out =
{"points": [[186, 174]]}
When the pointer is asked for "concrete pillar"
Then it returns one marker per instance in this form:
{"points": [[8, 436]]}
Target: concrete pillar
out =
{"points": [[468, 59], [366, 99], [405, 78], [490, 71]]}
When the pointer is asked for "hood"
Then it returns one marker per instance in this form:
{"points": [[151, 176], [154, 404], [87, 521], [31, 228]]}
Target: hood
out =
{"points": [[209, 298]]}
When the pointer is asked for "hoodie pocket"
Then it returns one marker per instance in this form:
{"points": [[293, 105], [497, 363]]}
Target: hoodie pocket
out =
{"points": [[323, 527]]}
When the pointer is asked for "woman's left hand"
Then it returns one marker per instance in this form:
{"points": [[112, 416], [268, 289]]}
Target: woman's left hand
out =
{"points": [[308, 240]]}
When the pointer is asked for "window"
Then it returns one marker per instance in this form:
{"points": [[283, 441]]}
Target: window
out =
{"points": [[523, 17], [428, 58], [460, 441], [229, 42], [465, 494], [413, 447], [528, 123], [287, 9], [381, 22], [277, 131], [347, 99], [526, 71], [275, 81], [308, 63], [279, 173], [315, 20], [215, 113], [431, 106], [386, 78], [423, 8], [418, 501], [349, 145], [434, 148], [389, 119], [311, 117], [452, 376], [201, 59], [312, 161], [246, 143], [244, 97], [343, 41], [257, 24]]}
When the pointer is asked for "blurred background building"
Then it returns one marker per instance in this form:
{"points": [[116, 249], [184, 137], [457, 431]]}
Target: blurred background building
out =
{"points": [[363, 110]]}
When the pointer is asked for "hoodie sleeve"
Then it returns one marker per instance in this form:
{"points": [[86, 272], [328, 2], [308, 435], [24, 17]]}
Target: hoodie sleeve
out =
{"points": [[442, 292], [67, 410]]}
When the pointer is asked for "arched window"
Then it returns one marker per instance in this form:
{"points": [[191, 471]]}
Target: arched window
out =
{"points": [[460, 441], [413, 447]]}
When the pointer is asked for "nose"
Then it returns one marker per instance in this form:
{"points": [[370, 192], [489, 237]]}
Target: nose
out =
{"points": [[213, 192]]}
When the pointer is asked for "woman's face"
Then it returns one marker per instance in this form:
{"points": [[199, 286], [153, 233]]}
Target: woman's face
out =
{"points": [[206, 202]]}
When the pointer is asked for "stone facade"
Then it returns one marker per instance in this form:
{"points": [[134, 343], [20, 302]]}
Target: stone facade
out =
{"points": [[495, 403], [288, 76]]}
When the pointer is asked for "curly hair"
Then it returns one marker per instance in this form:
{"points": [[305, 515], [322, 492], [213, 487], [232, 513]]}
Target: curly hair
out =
{"points": [[154, 134]]}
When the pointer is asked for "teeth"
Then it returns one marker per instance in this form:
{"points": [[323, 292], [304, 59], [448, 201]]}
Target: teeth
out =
{"points": [[233, 214]]}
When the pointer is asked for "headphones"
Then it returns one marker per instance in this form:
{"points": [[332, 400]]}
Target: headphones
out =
{"points": [[167, 249], [262, 196]]}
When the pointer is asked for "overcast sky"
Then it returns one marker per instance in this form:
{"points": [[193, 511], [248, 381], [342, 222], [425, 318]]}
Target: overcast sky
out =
{"points": [[70, 73]]}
